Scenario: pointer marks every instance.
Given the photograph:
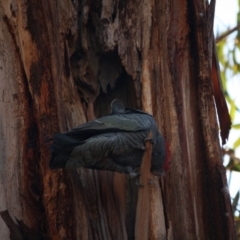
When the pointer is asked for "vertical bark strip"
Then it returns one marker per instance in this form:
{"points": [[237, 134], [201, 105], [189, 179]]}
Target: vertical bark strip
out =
{"points": [[221, 105], [154, 208], [146, 72], [216, 174], [143, 205]]}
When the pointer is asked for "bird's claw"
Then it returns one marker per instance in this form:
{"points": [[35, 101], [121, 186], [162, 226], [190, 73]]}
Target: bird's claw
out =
{"points": [[149, 139], [133, 175]]}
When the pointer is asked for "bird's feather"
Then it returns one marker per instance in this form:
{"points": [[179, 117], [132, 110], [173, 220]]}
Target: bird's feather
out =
{"points": [[114, 142]]}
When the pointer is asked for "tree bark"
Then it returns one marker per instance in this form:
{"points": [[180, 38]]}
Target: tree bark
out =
{"points": [[61, 64]]}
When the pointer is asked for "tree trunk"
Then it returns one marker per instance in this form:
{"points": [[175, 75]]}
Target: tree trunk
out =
{"points": [[61, 64]]}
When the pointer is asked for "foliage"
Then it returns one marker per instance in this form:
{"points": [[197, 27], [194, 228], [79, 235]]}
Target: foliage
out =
{"points": [[228, 48]]}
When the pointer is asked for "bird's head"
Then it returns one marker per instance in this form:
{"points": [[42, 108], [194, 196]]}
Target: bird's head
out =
{"points": [[117, 106]]}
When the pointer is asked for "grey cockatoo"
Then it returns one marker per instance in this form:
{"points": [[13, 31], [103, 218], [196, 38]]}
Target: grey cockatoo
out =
{"points": [[114, 142]]}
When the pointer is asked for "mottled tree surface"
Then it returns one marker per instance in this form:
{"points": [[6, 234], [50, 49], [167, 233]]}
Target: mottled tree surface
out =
{"points": [[61, 64]]}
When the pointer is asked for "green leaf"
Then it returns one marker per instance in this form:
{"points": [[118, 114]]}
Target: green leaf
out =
{"points": [[224, 81], [235, 67], [236, 144], [233, 110], [220, 51], [238, 227], [236, 168], [236, 126], [235, 201], [228, 98]]}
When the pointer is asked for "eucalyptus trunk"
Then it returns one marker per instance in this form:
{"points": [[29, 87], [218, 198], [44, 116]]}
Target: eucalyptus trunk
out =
{"points": [[61, 64]]}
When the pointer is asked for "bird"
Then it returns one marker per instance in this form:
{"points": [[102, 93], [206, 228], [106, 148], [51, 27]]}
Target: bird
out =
{"points": [[115, 142]]}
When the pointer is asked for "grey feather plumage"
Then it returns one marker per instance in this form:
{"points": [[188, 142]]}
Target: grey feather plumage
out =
{"points": [[114, 142]]}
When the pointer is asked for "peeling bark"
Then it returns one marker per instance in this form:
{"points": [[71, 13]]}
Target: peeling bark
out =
{"points": [[61, 64]]}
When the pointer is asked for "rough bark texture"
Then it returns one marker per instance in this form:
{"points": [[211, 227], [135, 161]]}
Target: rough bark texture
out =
{"points": [[62, 60]]}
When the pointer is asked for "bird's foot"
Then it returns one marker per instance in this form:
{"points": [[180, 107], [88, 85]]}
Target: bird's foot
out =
{"points": [[149, 139], [133, 175]]}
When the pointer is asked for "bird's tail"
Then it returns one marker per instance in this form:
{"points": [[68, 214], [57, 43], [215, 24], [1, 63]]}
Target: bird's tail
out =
{"points": [[61, 149]]}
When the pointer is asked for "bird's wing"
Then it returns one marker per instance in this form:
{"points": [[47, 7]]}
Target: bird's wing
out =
{"points": [[131, 110], [112, 123], [125, 122]]}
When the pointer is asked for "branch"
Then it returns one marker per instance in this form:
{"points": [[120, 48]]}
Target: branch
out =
{"points": [[224, 35]]}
